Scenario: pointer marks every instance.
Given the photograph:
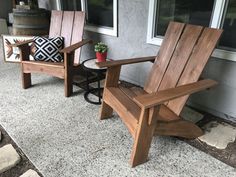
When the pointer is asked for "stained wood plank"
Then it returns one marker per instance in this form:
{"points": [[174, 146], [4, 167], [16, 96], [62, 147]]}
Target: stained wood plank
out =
{"points": [[154, 99], [138, 91], [130, 107], [112, 78], [127, 110], [77, 34], [165, 114], [125, 61], [68, 72], [51, 70], [167, 48], [55, 24], [198, 59], [24, 56], [67, 27], [132, 92], [73, 47], [180, 57], [180, 128], [128, 92], [19, 44], [44, 63], [143, 137]]}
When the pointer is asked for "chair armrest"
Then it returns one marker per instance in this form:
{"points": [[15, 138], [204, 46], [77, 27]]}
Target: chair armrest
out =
{"points": [[75, 46], [155, 99], [125, 61], [19, 44]]}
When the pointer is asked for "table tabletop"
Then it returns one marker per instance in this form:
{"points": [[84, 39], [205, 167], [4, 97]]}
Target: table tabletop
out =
{"points": [[91, 64]]}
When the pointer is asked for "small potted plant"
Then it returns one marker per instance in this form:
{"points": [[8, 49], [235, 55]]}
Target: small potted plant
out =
{"points": [[101, 51]]}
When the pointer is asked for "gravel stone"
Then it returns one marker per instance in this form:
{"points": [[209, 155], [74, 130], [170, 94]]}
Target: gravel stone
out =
{"points": [[8, 158], [30, 173]]}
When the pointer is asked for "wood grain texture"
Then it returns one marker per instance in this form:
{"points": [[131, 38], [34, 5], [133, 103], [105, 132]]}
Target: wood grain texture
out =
{"points": [[68, 74], [24, 56], [67, 27], [44, 63], [180, 56], [165, 53], [197, 61], [112, 78], [125, 61], [55, 24], [132, 92], [179, 128], [75, 46], [77, 34], [143, 137], [165, 114], [125, 108], [50, 69], [19, 44], [154, 99]]}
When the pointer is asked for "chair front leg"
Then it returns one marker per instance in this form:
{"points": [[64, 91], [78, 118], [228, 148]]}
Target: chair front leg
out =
{"points": [[112, 79], [143, 137], [68, 78]]}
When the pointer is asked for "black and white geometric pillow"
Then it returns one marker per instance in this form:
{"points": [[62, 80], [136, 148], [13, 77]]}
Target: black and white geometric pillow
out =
{"points": [[48, 49]]}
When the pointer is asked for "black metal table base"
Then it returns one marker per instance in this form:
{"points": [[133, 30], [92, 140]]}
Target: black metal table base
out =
{"points": [[93, 91]]}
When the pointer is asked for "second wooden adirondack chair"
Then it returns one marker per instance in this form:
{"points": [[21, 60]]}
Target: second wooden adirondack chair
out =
{"points": [[68, 24], [174, 76]]}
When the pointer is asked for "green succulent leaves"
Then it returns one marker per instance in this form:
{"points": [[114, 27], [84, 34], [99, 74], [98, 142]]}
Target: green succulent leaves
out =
{"points": [[100, 47]]}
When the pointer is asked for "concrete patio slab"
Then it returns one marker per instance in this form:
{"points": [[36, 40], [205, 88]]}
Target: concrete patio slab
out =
{"points": [[218, 135]]}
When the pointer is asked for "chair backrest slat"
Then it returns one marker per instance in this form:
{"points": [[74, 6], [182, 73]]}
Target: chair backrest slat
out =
{"points": [[182, 56], [70, 25], [200, 55], [173, 34], [67, 27], [55, 24], [77, 34]]}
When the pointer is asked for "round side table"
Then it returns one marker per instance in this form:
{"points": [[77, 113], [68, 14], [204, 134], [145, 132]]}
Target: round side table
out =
{"points": [[90, 66]]}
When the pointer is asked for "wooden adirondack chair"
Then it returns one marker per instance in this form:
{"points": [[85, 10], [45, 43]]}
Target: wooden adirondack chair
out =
{"points": [[174, 76], [68, 24]]}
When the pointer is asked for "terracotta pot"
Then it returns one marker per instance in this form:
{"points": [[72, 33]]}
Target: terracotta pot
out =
{"points": [[101, 57]]}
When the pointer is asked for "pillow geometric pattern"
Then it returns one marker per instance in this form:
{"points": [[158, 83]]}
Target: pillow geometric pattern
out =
{"points": [[48, 49]]}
